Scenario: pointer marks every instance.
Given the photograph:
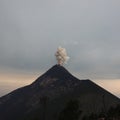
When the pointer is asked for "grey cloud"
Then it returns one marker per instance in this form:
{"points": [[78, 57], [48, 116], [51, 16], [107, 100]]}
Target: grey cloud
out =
{"points": [[31, 31]]}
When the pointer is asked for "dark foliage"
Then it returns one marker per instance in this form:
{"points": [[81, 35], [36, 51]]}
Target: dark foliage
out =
{"points": [[71, 111], [92, 116], [114, 113]]}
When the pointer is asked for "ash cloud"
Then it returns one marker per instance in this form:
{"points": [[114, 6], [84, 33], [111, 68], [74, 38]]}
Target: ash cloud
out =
{"points": [[61, 56]]}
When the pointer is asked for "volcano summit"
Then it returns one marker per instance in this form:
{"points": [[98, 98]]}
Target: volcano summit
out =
{"points": [[47, 96]]}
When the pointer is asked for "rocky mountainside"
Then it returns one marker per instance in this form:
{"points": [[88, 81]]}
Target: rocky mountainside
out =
{"points": [[46, 97]]}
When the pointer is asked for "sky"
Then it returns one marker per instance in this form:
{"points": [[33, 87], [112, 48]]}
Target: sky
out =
{"points": [[32, 30]]}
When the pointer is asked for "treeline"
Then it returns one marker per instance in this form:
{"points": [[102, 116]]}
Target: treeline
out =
{"points": [[112, 114], [72, 111]]}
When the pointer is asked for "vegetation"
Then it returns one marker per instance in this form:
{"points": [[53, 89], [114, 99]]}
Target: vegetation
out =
{"points": [[71, 111], [43, 102], [112, 114]]}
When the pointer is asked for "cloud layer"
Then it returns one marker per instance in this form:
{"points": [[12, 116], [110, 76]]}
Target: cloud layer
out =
{"points": [[31, 31]]}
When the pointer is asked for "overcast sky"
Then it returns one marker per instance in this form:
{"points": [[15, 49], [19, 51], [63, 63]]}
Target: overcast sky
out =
{"points": [[31, 31]]}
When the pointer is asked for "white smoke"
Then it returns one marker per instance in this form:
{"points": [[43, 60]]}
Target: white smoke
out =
{"points": [[61, 56]]}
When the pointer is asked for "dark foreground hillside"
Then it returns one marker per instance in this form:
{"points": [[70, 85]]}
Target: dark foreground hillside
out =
{"points": [[54, 93]]}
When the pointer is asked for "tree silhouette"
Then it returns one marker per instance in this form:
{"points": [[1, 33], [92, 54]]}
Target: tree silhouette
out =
{"points": [[71, 111], [43, 102], [114, 112]]}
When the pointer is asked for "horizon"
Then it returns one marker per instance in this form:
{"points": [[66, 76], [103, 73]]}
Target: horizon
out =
{"points": [[14, 81]]}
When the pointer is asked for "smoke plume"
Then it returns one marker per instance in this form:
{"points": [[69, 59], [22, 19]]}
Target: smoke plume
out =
{"points": [[61, 56]]}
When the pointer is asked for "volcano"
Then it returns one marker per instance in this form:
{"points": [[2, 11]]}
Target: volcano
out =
{"points": [[46, 97]]}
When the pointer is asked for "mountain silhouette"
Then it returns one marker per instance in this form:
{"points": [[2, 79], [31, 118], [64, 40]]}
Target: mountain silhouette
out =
{"points": [[46, 97]]}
